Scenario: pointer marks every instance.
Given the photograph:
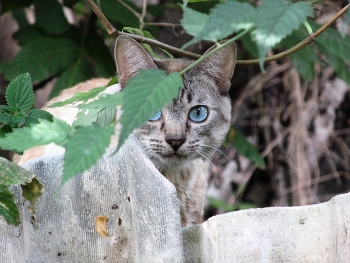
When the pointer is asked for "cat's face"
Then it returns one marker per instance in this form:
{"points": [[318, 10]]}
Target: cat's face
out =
{"points": [[196, 121], [190, 127]]}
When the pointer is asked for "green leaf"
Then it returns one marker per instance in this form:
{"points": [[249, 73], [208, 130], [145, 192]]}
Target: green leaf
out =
{"points": [[337, 63], [32, 191], [34, 115], [113, 81], [115, 11], [12, 174], [28, 33], [149, 35], [7, 6], [49, 16], [8, 208], [80, 97], [245, 148], [145, 33], [78, 72], [42, 58], [104, 101], [332, 40], [250, 45], [85, 147], [277, 19], [219, 204], [193, 21], [224, 20], [145, 94], [96, 48], [346, 22], [70, 3], [20, 94], [20, 16], [102, 116], [43, 133], [304, 60], [336, 48], [4, 118]]}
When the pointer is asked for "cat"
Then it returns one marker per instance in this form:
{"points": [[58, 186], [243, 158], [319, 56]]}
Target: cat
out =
{"points": [[188, 129]]}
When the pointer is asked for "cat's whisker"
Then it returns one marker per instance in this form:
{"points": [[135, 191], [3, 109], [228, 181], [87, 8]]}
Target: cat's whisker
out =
{"points": [[205, 156], [216, 149]]}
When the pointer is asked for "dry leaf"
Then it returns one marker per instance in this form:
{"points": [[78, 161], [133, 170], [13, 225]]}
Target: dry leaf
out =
{"points": [[101, 227]]}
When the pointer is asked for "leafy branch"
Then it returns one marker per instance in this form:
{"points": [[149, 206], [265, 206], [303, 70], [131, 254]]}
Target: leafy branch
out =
{"points": [[114, 32]]}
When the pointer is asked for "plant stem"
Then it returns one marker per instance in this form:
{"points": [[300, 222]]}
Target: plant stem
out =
{"points": [[218, 47], [113, 32]]}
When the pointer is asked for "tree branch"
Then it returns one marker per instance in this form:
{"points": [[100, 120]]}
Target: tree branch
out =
{"points": [[113, 32]]}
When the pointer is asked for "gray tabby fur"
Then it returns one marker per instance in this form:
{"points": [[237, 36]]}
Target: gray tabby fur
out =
{"points": [[206, 84]]}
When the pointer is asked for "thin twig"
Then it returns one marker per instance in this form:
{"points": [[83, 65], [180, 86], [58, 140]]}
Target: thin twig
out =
{"points": [[142, 17], [113, 32]]}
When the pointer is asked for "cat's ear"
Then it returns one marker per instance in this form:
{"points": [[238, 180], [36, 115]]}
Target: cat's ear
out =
{"points": [[220, 66], [130, 58]]}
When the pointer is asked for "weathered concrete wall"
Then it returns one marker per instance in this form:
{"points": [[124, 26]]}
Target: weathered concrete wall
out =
{"points": [[144, 222], [316, 233]]}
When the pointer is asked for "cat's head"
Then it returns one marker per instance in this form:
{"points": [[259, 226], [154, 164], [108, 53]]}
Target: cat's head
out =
{"points": [[198, 119]]}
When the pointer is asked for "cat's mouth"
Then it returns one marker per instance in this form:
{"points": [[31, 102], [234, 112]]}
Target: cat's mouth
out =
{"points": [[174, 156]]}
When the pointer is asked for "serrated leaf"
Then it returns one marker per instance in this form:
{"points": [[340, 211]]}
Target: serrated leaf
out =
{"points": [[84, 148], [8, 208], [104, 101], [224, 20], [102, 116], [19, 93], [43, 133], [34, 115], [17, 121], [145, 94], [193, 21], [4, 118], [277, 19], [42, 58], [80, 97], [245, 148], [78, 72], [11, 173], [49, 16]]}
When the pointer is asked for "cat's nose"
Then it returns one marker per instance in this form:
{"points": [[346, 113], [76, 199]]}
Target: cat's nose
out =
{"points": [[175, 143]]}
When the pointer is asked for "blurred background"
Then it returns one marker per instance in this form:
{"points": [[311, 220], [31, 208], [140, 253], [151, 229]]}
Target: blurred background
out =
{"points": [[296, 114]]}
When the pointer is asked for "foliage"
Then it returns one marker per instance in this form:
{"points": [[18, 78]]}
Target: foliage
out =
{"points": [[73, 54], [19, 110], [219, 204], [245, 148], [12, 174]]}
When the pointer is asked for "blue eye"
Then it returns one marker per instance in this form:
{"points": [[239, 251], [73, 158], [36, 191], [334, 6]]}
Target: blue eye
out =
{"points": [[156, 116], [198, 113]]}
